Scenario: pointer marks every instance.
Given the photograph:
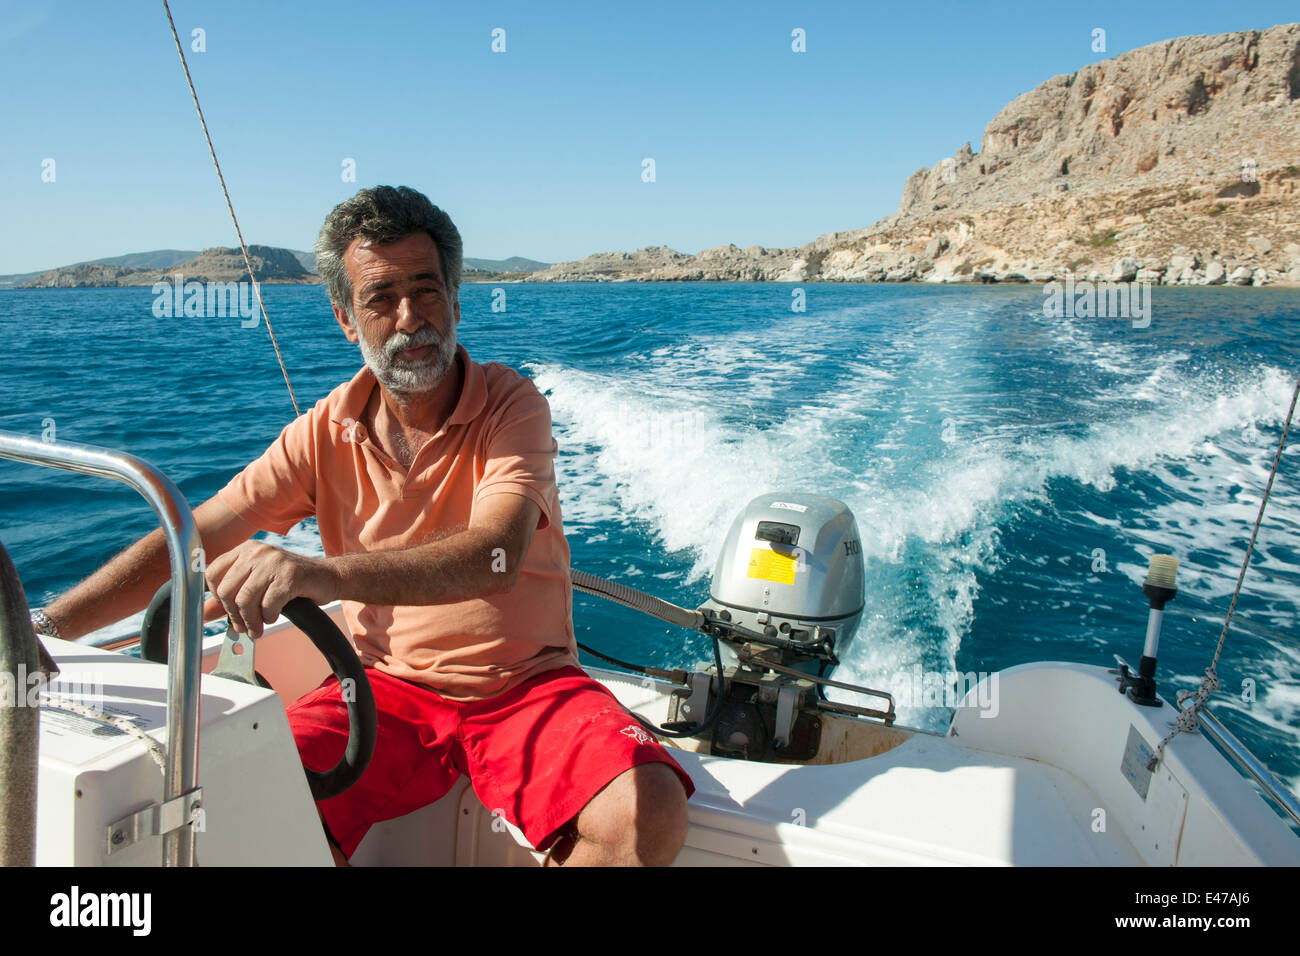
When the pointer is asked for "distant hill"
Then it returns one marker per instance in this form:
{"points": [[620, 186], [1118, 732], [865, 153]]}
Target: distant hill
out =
{"points": [[513, 264], [226, 264], [15, 280], [270, 264], [219, 264], [157, 259]]}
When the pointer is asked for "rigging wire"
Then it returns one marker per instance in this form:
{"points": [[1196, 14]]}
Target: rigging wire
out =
{"points": [[1187, 719], [257, 290]]}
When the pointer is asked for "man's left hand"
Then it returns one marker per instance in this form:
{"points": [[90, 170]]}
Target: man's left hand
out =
{"points": [[255, 581]]}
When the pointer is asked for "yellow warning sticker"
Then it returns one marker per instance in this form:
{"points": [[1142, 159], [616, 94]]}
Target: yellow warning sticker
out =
{"points": [[771, 565]]}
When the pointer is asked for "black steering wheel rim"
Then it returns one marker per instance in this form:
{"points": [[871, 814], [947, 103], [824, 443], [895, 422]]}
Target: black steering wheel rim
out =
{"points": [[363, 720]]}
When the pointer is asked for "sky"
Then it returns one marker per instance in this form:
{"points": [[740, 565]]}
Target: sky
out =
{"points": [[535, 150]]}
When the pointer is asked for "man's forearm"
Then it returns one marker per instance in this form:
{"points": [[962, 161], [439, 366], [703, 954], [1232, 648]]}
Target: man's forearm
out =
{"points": [[254, 581], [120, 588], [467, 565]]}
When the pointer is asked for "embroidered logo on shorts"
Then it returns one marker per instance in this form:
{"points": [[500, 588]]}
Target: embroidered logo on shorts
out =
{"points": [[638, 733]]}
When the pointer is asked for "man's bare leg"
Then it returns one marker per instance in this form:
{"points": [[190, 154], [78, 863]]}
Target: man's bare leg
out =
{"points": [[637, 819]]}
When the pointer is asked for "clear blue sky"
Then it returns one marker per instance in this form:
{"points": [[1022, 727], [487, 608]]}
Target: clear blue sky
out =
{"points": [[536, 151]]}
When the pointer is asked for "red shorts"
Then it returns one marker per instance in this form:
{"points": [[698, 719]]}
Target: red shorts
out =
{"points": [[538, 753]]}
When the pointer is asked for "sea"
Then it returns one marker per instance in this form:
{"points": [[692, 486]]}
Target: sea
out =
{"points": [[1011, 469]]}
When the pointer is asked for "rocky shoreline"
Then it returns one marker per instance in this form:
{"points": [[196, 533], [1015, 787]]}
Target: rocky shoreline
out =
{"points": [[1177, 163]]}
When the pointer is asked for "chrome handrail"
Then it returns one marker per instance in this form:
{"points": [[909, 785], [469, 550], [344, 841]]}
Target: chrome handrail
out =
{"points": [[182, 537], [1248, 762]]}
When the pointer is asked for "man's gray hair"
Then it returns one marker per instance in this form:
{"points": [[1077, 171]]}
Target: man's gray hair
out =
{"points": [[383, 214]]}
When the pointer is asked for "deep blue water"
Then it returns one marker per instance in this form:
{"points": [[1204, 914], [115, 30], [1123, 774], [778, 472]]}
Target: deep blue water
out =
{"points": [[1010, 473]]}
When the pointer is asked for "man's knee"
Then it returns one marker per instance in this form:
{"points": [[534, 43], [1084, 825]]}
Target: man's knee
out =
{"points": [[641, 812]]}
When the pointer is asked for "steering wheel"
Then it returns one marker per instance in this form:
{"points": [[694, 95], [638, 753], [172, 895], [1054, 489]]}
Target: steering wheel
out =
{"points": [[363, 722]]}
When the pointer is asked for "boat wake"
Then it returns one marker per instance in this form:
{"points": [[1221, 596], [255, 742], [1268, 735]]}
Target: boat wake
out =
{"points": [[940, 458]]}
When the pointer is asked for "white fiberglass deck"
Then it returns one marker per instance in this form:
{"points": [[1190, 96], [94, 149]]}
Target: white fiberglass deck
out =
{"points": [[929, 800], [1044, 782]]}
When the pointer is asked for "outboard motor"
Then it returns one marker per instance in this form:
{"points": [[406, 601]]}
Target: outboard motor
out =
{"points": [[788, 590], [790, 575]]}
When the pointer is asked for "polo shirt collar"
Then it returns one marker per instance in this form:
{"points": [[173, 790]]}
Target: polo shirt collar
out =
{"points": [[473, 393]]}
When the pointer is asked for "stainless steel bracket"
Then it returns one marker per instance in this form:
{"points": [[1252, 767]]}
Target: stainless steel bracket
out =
{"points": [[697, 705], [236, 660], [156, 820]]}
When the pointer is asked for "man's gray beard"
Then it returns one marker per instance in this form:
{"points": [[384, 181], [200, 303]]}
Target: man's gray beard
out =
{"points": [[410, 378]]}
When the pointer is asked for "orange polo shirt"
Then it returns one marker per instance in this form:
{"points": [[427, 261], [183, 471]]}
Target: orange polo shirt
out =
{"points": [[497, 441]]}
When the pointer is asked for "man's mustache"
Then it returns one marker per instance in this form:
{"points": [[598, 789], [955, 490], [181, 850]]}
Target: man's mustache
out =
{"points": [[401, 341]]}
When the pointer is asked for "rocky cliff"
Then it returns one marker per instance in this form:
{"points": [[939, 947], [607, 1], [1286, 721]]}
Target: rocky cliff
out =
{"points": [[1178, 162]]}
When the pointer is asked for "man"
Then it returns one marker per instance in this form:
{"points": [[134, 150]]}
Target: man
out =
{"points": [[431, 478]]}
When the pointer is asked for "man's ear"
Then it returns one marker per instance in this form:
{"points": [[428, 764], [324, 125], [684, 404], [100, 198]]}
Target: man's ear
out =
{"points": [[341, 317]]}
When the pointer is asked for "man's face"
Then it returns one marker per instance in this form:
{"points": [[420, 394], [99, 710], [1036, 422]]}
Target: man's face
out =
{"points": [[405, 317]]}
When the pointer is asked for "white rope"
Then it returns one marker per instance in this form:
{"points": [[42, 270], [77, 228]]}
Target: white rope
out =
{"points": [[156, 750], [1188, 719]]}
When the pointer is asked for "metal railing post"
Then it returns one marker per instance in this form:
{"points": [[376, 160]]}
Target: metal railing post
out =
{"points": [[182, 536]]}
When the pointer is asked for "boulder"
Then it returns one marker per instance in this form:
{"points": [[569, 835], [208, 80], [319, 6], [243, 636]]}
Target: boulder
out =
{"points": [[1259, 277], [936, 247], [1239, 276], [1214, 273], [1125, 270], [1261, 246], [797, 272]]}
